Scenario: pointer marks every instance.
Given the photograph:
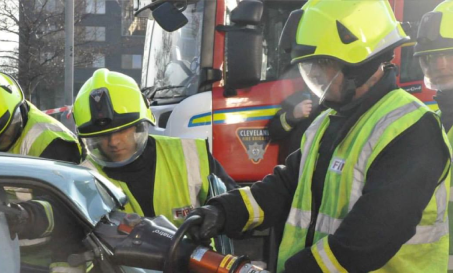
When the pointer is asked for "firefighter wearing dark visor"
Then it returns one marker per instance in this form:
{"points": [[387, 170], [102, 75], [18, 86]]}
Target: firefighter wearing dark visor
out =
{"points": [[160, 175], [434, 50], [25, 130], [368, 189]]}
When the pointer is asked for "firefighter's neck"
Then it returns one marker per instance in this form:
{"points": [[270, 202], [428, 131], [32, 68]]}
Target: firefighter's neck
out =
{"points": [[359, 92]]}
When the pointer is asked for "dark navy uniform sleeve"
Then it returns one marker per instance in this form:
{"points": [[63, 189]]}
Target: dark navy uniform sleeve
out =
{"points": [[273, 195], [281, 125], [41, 219], [62, 150], [49, 218]]}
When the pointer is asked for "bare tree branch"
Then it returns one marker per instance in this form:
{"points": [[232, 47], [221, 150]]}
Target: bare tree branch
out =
{"points": [[39, 54]]}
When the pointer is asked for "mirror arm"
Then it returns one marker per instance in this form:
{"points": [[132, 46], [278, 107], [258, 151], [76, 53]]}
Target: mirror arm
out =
{"points": [[150, 6], [157, 3]]}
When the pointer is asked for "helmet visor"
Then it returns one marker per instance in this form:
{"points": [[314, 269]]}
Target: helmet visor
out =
{"points": [[438, 70], [9, 136], [119, 148], [321, 75]]}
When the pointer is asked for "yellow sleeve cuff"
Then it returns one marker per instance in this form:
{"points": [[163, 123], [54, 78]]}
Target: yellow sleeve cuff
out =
{"points": [[284, 123], [256, 214], [325, 257]]}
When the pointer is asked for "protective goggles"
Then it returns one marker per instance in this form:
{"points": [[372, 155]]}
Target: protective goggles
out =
{"points": [[438, 70], [128, 147], [9, 136], [319, 74]]}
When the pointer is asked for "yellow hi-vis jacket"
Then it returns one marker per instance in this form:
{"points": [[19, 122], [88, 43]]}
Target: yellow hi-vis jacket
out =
{"points": [[426, 251], [450, 207], [39, 132], [181, 179]]}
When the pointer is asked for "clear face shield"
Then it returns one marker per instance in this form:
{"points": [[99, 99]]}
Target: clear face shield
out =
{"points": [[438, 70], [324, 77], [120, 148], [9, 136]]}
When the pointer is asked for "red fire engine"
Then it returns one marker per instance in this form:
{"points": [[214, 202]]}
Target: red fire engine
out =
{"points": [[222, 76]]}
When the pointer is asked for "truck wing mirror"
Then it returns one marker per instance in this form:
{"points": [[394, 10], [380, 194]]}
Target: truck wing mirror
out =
{"points": [[168, 14], [247, 12], [243, 44], [169, 17]]}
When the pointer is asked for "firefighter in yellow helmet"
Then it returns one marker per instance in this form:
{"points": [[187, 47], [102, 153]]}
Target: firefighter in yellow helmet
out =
{"points": [[434, 50], [368, 190], [160, 175], [25, 130]]}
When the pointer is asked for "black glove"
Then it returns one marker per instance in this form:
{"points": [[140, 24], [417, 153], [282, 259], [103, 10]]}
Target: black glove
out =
{"points": [[17, 218], [213, 222]]}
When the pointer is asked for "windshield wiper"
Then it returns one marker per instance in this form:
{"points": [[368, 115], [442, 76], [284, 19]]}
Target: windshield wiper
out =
{"points": [[173, 97], [151, 91]]}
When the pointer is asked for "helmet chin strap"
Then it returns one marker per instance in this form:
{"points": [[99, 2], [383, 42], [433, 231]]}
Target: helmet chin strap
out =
{"points": [[348, 88]]}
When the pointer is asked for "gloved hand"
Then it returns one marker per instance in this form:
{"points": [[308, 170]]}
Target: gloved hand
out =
{"points": [[17, 218], [213, 223]]}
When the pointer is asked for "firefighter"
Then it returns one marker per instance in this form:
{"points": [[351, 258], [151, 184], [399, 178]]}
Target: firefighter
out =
{"points": [[160, 175], [290, 122], [34, 219], [368, 189], [27, 131], [434, 50]]}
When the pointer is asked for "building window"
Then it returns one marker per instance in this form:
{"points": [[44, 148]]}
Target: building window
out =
{"points": [[96, 34], [131, 61], [95, 6], [98, 61], [49, 5]]}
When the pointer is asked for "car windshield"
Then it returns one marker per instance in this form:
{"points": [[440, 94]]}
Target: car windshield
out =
{"points": [[171, 62]]}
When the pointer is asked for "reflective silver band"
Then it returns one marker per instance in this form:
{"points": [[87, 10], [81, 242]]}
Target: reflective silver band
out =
{"points": [[192, 160]]}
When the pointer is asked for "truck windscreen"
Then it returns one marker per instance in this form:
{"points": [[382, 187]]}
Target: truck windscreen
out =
{"points": [[172, 59]]}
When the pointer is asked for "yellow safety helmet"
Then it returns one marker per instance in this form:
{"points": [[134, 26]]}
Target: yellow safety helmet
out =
{"points": [[434, 47], [110, 102], [435, 33], [11, 100], [354, 34]]}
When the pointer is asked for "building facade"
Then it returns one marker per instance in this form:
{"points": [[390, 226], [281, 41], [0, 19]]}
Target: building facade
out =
{"points": [[106, 34]]}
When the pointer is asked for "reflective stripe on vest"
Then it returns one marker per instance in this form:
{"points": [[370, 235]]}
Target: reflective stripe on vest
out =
{"points": [[388, 118], [450, 204], [39, 132], [181, 179], [193, 169], [34, 133], [360, 168]]}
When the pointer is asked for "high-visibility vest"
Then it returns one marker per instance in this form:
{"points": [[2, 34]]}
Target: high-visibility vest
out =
{"points": [[39, 132], [450, 207], [426, 251], [181, 178]]}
